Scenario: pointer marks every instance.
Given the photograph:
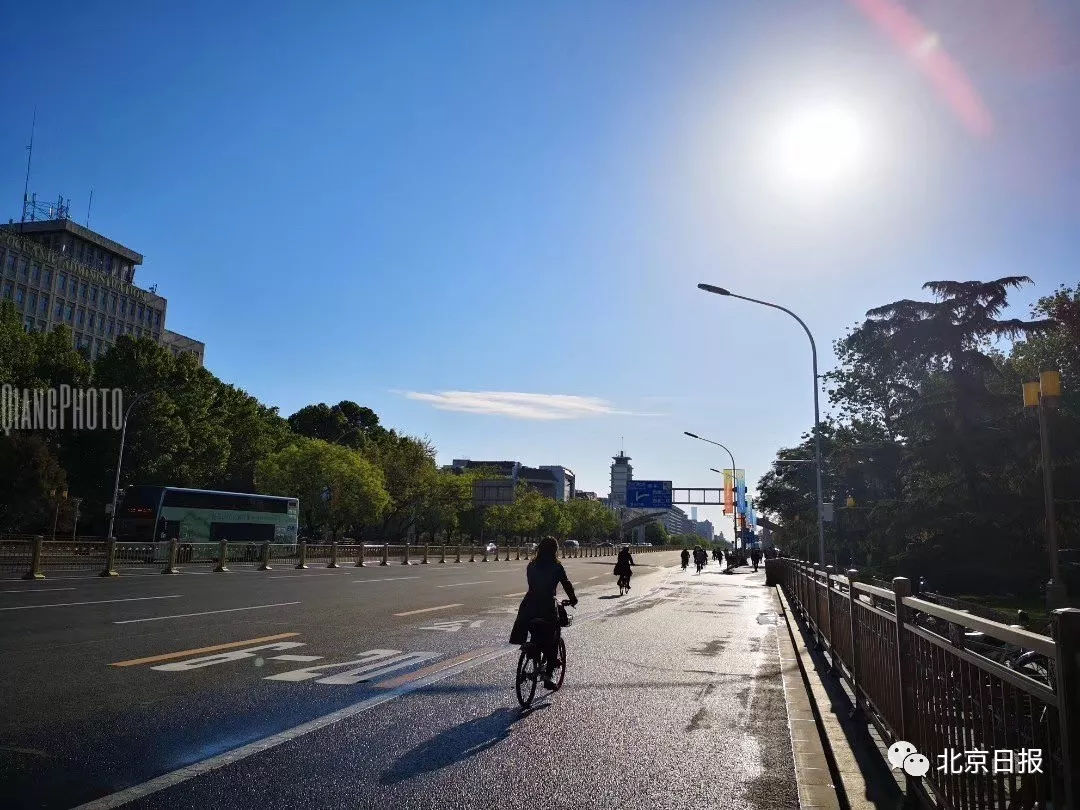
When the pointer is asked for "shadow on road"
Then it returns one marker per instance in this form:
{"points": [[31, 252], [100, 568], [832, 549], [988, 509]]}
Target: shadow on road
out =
{"points": [[612, 596], [456, 744]]}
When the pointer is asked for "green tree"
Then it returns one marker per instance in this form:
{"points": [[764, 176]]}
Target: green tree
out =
{"points": [[30, 475], [310, 470], [656, 533]]}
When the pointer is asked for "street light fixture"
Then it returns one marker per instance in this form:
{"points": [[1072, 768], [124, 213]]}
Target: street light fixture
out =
{"points": [[120, 462], [712, 288], [1044, 396], [734, 512]]}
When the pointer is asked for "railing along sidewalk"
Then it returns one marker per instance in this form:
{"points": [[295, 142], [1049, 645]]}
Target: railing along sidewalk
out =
{"points": [[1014, 728]]}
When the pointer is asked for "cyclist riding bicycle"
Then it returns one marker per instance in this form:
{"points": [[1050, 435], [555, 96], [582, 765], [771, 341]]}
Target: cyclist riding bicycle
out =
{"points": [[685, 556], [622, 567], [544, 574]]}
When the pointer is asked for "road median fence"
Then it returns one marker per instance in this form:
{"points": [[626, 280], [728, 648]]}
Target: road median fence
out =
{"points": [[34, 557], [994, 708]]}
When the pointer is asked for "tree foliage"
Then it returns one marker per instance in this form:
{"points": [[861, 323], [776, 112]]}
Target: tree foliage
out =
{"points": [[930, 440]]}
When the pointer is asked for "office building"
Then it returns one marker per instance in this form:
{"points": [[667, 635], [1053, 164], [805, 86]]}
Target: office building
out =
{"points": [[57, 272], [553, 481], [621, 475], [564, 481]]}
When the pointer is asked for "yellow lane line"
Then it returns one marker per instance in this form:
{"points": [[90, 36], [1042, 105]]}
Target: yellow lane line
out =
{"points": [[393, 683], [184, 653], [429, 610]]}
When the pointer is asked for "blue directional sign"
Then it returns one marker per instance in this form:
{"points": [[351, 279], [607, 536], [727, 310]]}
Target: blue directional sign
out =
{"points": [[648, 494]]}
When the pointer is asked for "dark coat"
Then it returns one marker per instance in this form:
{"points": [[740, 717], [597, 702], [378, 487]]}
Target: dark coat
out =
{"points": [[622, 565], [539, 601]]}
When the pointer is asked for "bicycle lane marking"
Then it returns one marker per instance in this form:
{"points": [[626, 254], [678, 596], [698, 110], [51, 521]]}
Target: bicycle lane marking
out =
{"points": [[395, 688]]}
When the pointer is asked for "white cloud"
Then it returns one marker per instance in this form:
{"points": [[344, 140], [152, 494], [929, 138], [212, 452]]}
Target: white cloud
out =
{"points": [[519, 405]]}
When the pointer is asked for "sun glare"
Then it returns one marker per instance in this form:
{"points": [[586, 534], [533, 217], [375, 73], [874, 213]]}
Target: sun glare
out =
{"points": [[819, 150]]}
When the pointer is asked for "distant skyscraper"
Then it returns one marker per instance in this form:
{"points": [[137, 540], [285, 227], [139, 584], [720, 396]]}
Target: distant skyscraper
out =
{"points": [[621, 475]]}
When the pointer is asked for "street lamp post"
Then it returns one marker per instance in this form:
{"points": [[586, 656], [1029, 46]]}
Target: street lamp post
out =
{"points": [[1043, 396], [734, 512], [120, 462], [817, 413]]}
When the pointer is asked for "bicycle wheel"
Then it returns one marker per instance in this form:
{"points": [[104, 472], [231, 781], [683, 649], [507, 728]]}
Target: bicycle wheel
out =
{"points": [[559, 672], [528, 671]]}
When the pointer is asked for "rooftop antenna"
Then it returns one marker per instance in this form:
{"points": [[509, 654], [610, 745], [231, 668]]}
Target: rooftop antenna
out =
{"points": [[29, 156], [88, 206]]}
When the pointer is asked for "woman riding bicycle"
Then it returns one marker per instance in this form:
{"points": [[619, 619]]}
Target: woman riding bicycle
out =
{"points": [[622, 567], [544, 574]]}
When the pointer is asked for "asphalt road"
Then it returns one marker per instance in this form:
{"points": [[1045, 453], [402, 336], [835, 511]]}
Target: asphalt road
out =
{"points": [[389, 687]]}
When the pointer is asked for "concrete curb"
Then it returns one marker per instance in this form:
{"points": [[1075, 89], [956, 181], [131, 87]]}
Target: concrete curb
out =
{"points": [[860, 773], [814, 771]]}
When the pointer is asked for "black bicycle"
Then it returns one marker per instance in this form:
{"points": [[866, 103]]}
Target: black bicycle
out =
{"points": [[532, 663]]}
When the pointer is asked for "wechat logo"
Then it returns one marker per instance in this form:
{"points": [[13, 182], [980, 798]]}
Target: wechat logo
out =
{"points": [[903, 756]]}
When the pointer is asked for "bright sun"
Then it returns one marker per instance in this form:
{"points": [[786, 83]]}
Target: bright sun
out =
{"points": [[819, 150]]}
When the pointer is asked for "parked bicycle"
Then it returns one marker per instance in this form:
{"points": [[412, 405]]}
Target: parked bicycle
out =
{"points": [[532, 663]]}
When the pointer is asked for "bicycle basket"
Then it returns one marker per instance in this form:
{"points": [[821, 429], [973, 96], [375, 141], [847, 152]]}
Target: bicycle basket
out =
{"points": [[565, 619]]}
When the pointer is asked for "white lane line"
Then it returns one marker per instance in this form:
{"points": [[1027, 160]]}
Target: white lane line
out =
{"points": [[429, 610], [35, 590], [204, 613], [98, 602], [459, 584], [385, 579], [243, 752]]}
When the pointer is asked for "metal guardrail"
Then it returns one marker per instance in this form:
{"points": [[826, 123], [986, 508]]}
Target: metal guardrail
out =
{"points": [[34, 556], [951, 682]]}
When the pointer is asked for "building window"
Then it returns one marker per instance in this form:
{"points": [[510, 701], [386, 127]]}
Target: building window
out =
{"points": [[10, 266], [59, 309], [24, 269], [20, 296], [48, 279], [112, 305], [69, 313], [93, 294], [83, 291], [44, 310], [112, 327], [31, 305], [101, 325], [80, 318], [37, 273], [61, 282], [9, 289], [29, 324]]}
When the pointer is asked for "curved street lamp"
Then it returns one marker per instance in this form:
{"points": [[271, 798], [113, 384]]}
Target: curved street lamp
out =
{"points": [[120, 462], [734, 512], [712, 288]]}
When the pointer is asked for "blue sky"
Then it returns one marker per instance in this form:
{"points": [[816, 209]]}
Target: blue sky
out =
{"points": [[364, 201]]}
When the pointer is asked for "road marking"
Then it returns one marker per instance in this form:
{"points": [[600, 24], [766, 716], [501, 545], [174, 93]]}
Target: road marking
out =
{"points": [[429, 610], [459, 584], [508, 595], [401, 680], [36, 590], [229, 645], [385, 579], [99, 602], [201, 613], [225, 657], [373, 663], [300, 659], [453, 626], [258, 746], [590, 579]]}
